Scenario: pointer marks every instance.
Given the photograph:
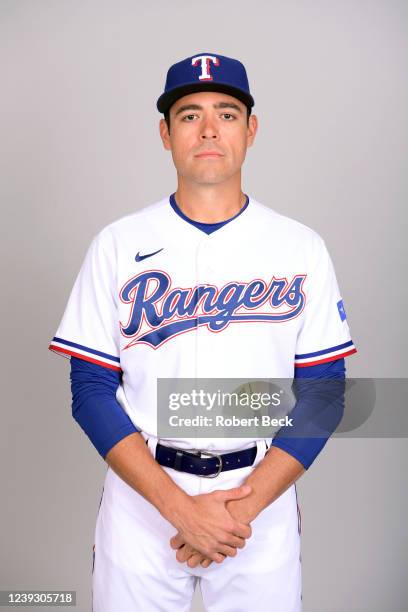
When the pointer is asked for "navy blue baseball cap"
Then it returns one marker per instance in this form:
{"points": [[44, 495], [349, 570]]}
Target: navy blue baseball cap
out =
{"points": [[205, 72]]}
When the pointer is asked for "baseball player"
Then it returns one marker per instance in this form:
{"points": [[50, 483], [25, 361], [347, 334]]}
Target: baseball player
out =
{"points": [[206, 283]]}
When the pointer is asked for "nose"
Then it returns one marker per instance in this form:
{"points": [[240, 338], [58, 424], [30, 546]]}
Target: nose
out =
{"points": [[208, 129]]}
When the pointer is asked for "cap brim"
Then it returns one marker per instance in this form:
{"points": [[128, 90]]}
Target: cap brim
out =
{"points": [[167, 99]]}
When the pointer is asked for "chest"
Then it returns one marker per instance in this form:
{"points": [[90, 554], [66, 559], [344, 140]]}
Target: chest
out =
{"points": [[167, 287]]}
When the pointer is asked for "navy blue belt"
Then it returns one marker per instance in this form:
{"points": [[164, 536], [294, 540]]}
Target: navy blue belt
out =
{"points": [[204, 463]]}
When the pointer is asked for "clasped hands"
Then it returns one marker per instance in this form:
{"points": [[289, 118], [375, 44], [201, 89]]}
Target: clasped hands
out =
{"points": [[213, 527]]}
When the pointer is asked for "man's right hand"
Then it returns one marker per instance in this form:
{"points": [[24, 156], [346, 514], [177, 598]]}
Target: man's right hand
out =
{"points": [[204, 523]]}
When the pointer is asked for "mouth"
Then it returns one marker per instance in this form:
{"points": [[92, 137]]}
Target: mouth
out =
{"points": [[209, 154]]}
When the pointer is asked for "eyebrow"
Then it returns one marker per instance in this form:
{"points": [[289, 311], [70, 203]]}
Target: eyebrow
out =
{"points": [[187, 107]]}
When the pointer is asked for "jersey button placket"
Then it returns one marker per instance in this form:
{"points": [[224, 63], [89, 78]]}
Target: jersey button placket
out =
{"points": [[204, 274], [202, 278]]}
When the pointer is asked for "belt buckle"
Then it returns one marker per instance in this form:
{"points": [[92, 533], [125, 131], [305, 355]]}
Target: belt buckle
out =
{"points": [[219, 467]]}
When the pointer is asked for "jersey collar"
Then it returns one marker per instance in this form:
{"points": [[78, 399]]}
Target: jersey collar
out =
{"points": [[207, 228]]}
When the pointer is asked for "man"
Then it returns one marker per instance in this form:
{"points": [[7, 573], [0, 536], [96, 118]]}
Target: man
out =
{"points": [[205, 284]]}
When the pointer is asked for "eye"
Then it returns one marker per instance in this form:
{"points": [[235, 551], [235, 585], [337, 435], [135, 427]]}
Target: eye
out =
{"points": [[188, 118], [228, 116]]}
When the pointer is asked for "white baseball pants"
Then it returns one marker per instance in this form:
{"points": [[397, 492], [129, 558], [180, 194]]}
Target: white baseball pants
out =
{"points": [[136, 570]]}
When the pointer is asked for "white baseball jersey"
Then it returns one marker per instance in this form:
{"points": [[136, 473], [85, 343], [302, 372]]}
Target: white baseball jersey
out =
{"points": [[156, 297]]}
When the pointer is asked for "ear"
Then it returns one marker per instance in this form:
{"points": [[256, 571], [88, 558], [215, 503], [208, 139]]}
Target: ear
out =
{"points": [[164, 134], [252, 129]]}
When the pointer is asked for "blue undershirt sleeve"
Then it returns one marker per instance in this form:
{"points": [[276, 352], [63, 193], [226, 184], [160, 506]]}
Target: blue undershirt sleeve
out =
{"points": [[95, 407], [318, 410]]}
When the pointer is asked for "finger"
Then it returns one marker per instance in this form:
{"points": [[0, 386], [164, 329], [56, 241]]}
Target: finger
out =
{"points": [[242, 531], [177, 541], [236, 528], [236, 542], [195, 559], [228, 551], [192, 556], [218, 557], [184, 552], [229, 539]]}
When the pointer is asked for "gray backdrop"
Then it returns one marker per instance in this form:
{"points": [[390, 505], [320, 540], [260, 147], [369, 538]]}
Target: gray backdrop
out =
{"points": [[80, 148]]}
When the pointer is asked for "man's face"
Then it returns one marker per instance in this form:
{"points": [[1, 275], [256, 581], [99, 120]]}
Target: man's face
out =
{"points": [[209, 136]]}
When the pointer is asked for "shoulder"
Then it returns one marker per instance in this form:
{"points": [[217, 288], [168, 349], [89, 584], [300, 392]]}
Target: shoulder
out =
{"points": [[133, 224], [280, 227]]}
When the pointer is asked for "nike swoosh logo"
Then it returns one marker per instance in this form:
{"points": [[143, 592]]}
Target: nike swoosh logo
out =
{"points": [[142, 257]]}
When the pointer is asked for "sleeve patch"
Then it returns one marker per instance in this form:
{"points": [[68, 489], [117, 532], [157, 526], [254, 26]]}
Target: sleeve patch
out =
{"points": [[342, 312]]}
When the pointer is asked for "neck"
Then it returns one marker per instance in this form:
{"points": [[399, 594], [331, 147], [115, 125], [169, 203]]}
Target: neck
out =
{"points": [[209, 203]]}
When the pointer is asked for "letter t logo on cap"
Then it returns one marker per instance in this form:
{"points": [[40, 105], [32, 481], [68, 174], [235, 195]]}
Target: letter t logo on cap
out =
{"points": [[205, 65]]}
